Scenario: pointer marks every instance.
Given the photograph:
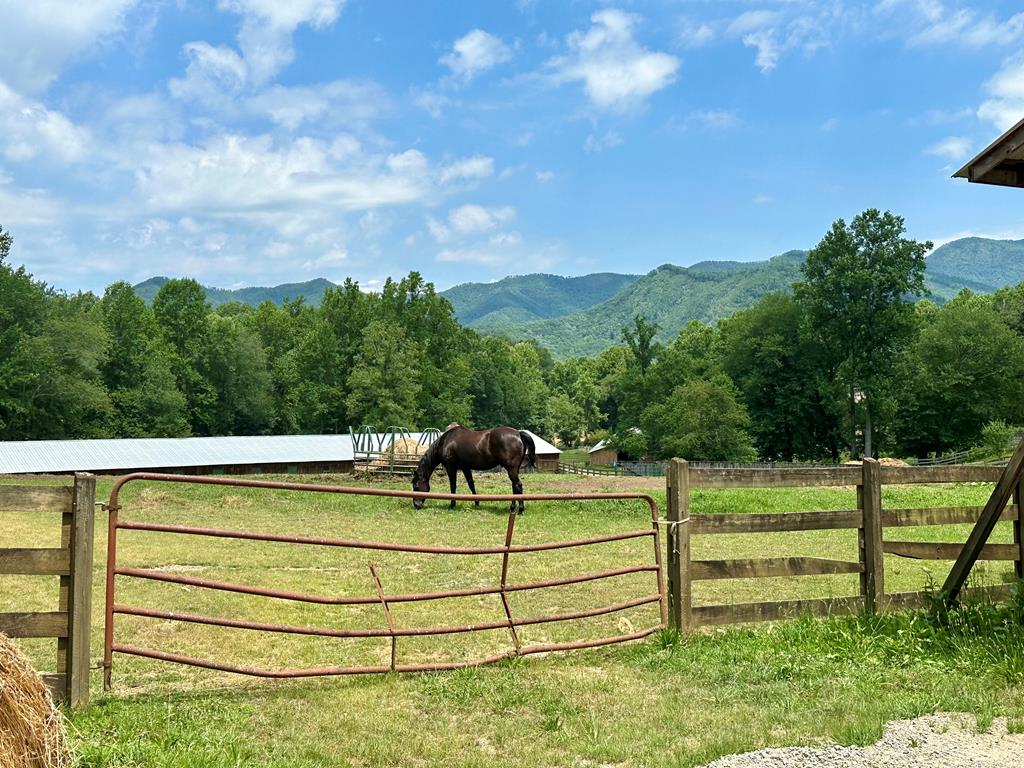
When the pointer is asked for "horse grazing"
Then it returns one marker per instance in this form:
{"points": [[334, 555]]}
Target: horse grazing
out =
{"points": [[466, 449]]}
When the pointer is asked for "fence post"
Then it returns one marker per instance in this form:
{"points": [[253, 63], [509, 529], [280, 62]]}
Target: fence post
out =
{"points": [[677, 482], [869, 499], [79, 591], [1018, 539]]}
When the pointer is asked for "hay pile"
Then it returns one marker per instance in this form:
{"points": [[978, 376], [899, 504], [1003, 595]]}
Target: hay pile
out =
{"points": [[405, 450], [32, 731]]}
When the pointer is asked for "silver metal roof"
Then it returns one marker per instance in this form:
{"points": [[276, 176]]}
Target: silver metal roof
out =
{"points": [[32, 456]]}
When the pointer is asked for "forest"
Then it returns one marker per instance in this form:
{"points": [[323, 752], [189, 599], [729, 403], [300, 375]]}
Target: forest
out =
{"points": [[856, 359]]}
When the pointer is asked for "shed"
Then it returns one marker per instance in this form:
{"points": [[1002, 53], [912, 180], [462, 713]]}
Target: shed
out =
{"points": [[602, 454], [1001, 162]]}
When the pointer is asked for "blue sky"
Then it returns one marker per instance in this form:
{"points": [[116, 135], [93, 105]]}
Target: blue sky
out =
{"points": [[251, 142]]}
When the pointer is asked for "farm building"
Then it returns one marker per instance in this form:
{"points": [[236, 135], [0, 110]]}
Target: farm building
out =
{"points": [[280, 454], [1001, 162], [602, 454]]}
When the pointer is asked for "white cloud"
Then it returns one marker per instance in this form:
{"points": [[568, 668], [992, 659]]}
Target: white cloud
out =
{"points": [[695, 34], [468, 220], [1005, 105], [29, 130], [934, 24], [432, 102], [475, 52], [27, 207], [713, 118], [617, 73], [952, 148], [211, 72], [347, 101], [543, 177], [467, 169], [595, 143], [772, 34], [40, 35]]}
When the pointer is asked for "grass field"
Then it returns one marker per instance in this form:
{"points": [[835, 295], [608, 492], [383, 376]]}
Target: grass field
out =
{"points": [[667, 701]]}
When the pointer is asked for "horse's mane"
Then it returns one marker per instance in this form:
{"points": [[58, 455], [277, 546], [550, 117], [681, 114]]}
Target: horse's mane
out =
{"points": [[432, 457]]}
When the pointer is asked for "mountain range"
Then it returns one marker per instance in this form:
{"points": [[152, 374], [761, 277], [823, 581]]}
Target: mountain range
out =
{"points": [[584, 315]]}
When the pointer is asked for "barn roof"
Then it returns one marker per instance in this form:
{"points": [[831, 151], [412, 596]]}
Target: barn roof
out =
{"points": [[33, 456], [1001, 162]]}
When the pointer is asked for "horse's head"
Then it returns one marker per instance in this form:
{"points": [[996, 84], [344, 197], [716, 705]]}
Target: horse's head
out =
{"points": [[421, 480]]}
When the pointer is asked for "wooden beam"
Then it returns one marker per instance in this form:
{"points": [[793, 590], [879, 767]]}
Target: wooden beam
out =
{"points": [[953, 473], [678, 542], [35, 498], [801, 477], [738, 613], [928, 550], [80, 608], [1010, 479], [873, 583], [898, 518], [38, 624], [773, 522], [35, 562], [1018, 534], [761, 568]]}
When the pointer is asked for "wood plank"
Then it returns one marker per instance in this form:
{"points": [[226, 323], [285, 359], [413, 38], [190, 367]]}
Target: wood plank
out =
{"points": [[35, 562], [952, 473], [873, 582], [897, 518], [909, 600], [80, 609], [927, 550], [774, 522], [56, 682], [797, 477], [35, 498], [760, 568], [1008, 482], [40, 624], [1018, 533], [740, 613]]}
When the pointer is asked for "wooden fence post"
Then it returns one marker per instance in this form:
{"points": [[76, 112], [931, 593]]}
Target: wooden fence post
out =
{"points": [[869, 499], [677, 480], [79, 591], [1018, 539]]}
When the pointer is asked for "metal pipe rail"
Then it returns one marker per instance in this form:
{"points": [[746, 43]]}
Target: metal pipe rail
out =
{"points": [[503, 588]]}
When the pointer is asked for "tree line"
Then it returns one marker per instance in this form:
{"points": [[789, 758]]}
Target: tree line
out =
{"points": [[856, 359]]}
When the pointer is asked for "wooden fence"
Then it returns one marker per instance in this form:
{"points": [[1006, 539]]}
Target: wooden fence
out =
{"points": [[72, 562], [869, 519]]}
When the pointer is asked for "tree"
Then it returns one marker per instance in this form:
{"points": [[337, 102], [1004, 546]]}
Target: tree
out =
{"points": [[181, 312], [640, 340], [856, 287], [563, 418], [384, 383]]}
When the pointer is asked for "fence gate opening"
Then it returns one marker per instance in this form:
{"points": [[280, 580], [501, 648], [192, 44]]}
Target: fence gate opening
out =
{"points": [[388, 629]]}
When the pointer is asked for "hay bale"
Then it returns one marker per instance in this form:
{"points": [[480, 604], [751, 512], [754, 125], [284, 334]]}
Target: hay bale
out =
{"points": [[32, 731]]}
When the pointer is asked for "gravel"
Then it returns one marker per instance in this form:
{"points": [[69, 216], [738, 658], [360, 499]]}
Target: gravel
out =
{"points": [[933, 741]]}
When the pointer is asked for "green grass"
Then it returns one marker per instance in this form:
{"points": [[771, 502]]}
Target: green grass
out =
{"points": [[666, 702]]}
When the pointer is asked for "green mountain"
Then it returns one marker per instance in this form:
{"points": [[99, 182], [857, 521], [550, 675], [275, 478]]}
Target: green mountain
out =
{"points": [[312, 291], [670, 296], [977, 263], [524, 298]]}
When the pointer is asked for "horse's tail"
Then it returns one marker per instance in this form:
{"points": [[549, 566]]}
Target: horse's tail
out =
{"points": [[531, 449]]}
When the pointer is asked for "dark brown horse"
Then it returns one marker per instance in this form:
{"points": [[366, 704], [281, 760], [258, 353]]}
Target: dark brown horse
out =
{"points": [[465, 449]]}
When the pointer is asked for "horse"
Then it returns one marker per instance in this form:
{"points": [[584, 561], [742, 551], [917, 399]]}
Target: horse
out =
{"points": [[466, 449]]}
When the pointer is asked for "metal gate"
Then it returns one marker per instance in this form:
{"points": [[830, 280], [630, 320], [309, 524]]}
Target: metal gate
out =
{"points": [[389, 630]]}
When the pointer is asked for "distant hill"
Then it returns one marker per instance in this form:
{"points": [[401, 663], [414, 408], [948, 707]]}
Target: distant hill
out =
{"points": [[524, 298], [978, 263], [312, 291], [670, 296]]}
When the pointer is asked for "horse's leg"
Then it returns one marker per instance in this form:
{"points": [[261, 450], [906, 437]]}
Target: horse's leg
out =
{"points": [[452, 474], [469, 481], [517, 486]]}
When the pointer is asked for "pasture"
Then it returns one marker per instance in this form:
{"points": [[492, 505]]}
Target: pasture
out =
{"points": [[664, 701]]}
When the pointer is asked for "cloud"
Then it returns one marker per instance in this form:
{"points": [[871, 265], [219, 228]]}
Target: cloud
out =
{"points": [[771, 34], [617, 73], [952, 148], [1005, 105], [29, 130], [27, 207], [543, 177], [595, 143], [931, 22], [470, 219], [211, 72], [695, 34], [467, 169], [713, 118], [475, 52], [347, 101], [39, 36]]}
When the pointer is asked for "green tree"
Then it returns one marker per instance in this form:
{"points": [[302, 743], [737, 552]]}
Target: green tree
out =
{"points": [[856, 287], [384, 383], [564, 419]]}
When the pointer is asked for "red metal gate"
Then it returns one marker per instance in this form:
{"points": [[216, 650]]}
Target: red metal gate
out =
{"points": [[390, 630]]}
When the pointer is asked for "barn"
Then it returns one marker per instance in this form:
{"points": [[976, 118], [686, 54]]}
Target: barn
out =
{"points": [[262, 454], [602, 454]]}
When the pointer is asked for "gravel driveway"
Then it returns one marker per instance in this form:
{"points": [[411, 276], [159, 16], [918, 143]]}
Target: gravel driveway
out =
{"points": [[932, 741]]}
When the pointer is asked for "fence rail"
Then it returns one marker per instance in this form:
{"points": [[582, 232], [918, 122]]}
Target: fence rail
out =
{"points": [[72, 564]]}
